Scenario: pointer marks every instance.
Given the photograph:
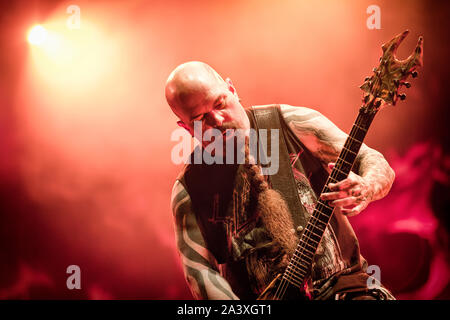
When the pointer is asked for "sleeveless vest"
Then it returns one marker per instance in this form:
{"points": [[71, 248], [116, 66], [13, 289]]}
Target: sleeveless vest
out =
{"points": [[233, 231]]}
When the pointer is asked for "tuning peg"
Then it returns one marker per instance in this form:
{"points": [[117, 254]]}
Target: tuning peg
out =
{"points": [[407, 84], [414, 74], [366, 79], [402, 96]]}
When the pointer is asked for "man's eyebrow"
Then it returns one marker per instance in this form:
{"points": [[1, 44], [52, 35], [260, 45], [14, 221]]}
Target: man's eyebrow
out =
{"points": [[214, 104]]}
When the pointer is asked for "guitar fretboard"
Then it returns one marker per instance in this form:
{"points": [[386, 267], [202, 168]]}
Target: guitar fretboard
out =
{"points": [[300, 264]]}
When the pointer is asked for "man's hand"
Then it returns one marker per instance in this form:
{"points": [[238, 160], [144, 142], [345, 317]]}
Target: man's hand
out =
{"points": [[351, 195]]}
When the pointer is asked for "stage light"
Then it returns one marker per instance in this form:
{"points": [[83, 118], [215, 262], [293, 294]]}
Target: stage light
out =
{"points": [[37, 35]]}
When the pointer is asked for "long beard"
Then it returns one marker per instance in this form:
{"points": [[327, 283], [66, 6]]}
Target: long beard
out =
{"points": [[273, 210], [277, 220]]}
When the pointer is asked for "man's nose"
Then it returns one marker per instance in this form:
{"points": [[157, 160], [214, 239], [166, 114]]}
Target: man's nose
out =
{"points": [[215, 118]]}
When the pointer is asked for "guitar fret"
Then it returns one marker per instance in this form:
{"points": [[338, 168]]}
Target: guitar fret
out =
{"points": [[304, 262], [308, 235], [292, 281], [318, 211], [346, 162], [354, 139], [298, 279], [297, 271], [298, 259], [348, 150], [311, 248], [304, 248], [296, 268], [338, 170], [361, 128], [317, 219], [328, 207], [302, 251], [330, 178], [315, 233], [303, 265], [352, 143], [287, 277], [315, 241]]}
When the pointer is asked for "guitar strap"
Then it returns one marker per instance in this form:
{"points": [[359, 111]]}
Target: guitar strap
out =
{"points": [[284, 182]]}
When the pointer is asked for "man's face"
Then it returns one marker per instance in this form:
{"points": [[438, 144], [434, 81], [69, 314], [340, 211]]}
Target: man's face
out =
{"points": [[216, 107]]}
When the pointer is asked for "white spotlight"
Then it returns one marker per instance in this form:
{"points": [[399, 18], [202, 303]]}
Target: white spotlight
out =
{"points": [[37, 35]]}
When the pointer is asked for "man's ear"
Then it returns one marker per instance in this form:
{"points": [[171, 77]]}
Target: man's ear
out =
{"points": [[231, 86], [183, 125]]}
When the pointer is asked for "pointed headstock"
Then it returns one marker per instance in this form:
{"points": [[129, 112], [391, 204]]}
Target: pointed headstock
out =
{"points": [[382, 88]]}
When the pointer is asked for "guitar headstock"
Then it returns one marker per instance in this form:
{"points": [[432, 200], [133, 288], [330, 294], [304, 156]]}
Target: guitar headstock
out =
{"points": [[382, 88]]}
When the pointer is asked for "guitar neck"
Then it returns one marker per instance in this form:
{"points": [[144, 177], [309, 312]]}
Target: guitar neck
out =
{"points": [[301, 261]]}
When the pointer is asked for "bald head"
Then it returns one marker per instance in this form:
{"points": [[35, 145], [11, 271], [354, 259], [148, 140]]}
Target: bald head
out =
{"points": [[196, 92], [189, 83]]}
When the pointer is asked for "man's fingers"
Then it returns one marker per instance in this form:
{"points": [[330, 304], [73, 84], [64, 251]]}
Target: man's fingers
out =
{"points": [[345, 202], [334, 195], [342, 185], [355, 192], [353, 211]]}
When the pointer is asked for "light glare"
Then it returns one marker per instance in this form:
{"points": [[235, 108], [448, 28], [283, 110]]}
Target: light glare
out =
{"points": [[37, 35]]}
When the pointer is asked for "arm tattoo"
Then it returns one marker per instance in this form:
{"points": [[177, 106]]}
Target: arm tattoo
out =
{"points": [[322, 138], [374, 168], [199, 265], [325, 141]]}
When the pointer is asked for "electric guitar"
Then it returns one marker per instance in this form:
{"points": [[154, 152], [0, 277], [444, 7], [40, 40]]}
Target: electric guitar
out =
{"points": [[381, 89]]}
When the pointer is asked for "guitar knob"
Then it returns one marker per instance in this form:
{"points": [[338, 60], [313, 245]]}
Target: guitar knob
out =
{"points": [[414, 74], [407, 84], [402, 96]]}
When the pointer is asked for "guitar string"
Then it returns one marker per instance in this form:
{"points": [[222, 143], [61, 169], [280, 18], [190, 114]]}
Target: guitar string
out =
{"points": [[279, 293]]}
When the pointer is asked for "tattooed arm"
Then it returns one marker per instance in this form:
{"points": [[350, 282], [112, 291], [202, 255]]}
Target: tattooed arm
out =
{"points": [[199, 265], [325, 140]]}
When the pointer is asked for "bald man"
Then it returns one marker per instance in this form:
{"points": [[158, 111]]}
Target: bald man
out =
{"points": [[233, 232]]}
